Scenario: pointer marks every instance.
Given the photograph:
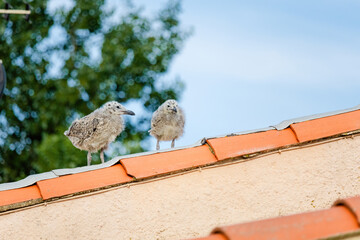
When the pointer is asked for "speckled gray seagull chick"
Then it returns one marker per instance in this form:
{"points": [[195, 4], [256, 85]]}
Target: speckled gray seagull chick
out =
{"points": [[97, 130], [167, 123]]}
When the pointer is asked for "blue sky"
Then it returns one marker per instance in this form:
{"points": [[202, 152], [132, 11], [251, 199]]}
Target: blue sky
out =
{"points": [[251, 64]]}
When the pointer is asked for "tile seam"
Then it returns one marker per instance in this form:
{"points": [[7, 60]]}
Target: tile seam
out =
{"points": [[293, 130], [349, 207], [41, 194], [126, 171], [212, 150]]}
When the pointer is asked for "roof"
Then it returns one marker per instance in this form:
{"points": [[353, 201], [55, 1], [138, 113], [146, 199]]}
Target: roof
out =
{"points": [[62, 183], [342, 221]]}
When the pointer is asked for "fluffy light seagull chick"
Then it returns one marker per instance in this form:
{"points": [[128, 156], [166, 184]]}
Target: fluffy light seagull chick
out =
{"points": [[167, 123], [97, 130]]}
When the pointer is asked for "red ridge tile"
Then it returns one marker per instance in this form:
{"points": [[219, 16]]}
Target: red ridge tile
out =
{"points": [[19, 195], [159, 163], [69, 184], [228, 147], [311, 225], [353, 204], [327, 126], [213, 237]]}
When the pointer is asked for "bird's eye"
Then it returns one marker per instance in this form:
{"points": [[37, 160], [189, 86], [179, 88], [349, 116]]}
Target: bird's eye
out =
{"points": [[168, 105], [118, 107]]}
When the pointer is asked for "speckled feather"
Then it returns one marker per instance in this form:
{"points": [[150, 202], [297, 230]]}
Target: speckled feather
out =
{"points": [[167, 124], [97, 130]]}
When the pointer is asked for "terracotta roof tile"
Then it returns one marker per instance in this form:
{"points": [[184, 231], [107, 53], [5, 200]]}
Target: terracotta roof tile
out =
{"points": [[303, 226], [19, 195], [353, 204], [51, 184], [159, 163], [74, 183], [312, 225], [228, 147], [213, 237], [327, 126]]}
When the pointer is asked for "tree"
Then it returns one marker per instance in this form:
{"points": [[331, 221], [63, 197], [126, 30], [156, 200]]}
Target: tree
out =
{"points": [[53, 80]]}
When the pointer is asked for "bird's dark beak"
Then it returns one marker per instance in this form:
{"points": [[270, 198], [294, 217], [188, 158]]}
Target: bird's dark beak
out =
{"points": [[174, 110], [128, 112]]}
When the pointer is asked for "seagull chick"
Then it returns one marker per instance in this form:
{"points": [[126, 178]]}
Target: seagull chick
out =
{"points": [[98, 129], [167, 123]]}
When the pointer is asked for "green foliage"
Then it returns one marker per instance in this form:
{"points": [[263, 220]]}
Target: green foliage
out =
{"points": [[59, 148], [40, 103]]}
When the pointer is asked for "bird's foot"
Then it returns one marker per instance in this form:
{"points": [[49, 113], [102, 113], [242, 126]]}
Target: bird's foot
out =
{"points": [[158, 145]]}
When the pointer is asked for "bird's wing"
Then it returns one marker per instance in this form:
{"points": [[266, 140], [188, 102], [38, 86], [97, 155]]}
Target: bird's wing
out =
{"points": [[182, 118], [84, 127], [156, 119]]}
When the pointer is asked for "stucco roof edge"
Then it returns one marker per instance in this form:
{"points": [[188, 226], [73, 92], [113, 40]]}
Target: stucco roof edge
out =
{"points": [[32, 179]]}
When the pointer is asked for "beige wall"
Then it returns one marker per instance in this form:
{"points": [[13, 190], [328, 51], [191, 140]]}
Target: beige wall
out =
{"points": [[192, 204]]}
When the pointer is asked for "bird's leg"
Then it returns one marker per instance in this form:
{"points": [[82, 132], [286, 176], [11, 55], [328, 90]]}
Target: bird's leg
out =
{"points": [[158, 145], [89, 158], [173, 143], [102, 155]]}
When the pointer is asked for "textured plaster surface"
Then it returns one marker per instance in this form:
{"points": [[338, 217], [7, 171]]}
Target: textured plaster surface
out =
{"points": [[192, 204]]}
